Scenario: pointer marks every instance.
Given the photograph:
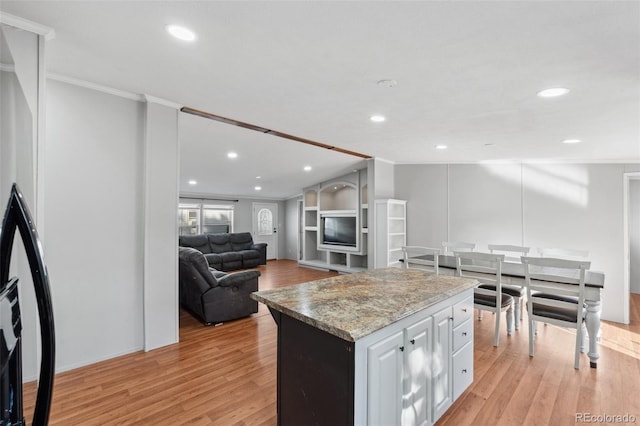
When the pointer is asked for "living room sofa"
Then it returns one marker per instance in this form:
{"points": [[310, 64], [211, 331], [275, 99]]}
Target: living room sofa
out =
{"points": [[229, 251], [214, 296]]}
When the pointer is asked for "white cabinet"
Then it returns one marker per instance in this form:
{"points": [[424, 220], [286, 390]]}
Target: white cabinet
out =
{"points": [[398, 382], [338, 206], [417, 391], [462, 348], [420, 365], [390, 232], [385, 364], [442, 393]]}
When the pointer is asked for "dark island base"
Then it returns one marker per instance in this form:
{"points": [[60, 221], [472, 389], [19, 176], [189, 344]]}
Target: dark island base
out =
{"points": [[315, 375]]}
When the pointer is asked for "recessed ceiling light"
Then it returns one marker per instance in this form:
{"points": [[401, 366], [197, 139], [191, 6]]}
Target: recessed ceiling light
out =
{"points": [[181, 33], [307, 168], [553, 92], [571, 141], [258, 177], [441, 147], [257, 188], [377, 118], [193, 182], [232, 154]]}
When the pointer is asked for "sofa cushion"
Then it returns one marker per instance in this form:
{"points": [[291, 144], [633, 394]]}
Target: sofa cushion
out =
{"points": [[219, 243], [249, 254], [198, 242], [214, 260], [241, 241], [232, 256]]}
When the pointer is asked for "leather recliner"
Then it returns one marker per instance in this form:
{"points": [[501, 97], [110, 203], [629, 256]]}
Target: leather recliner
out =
{"points": [[214, 296]]}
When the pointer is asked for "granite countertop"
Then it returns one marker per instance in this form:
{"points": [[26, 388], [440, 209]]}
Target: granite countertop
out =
{"points": [[354, 306]]}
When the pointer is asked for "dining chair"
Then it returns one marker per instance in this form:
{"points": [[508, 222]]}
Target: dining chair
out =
{"points": [[555, 295], [451, 246], [513, 253], [561, 253], [487, 269], [418, 257]]}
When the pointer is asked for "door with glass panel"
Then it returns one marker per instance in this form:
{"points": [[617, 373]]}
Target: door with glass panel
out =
{"points": [[265, 227]]}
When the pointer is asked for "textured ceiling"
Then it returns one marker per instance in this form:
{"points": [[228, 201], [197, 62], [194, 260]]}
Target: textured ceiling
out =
{"points": [[467, 76]]}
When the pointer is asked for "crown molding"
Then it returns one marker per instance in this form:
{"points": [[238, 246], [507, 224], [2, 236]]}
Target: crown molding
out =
{"points": [[26, 25], [95, 86], [154, 100]]}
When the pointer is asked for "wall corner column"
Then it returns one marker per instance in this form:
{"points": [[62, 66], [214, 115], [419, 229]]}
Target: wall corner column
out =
{"points": [[160, 191]]}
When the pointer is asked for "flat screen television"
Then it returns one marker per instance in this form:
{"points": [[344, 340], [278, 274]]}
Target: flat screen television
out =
{"points": [[339, 230]]}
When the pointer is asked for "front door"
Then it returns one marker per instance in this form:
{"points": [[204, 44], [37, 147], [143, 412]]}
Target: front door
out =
{"points": [[265, 227]]}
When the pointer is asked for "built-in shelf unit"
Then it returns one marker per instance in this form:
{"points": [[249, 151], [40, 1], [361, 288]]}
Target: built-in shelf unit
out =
{"points": [[335, 224], [391, 232]]}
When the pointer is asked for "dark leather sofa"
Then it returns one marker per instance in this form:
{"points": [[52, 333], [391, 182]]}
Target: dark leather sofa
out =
{"points": [[227, 252], [214, 296]]}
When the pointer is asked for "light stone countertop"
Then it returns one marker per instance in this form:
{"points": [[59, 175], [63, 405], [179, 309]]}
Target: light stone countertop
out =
{"points": [[356, 305]]}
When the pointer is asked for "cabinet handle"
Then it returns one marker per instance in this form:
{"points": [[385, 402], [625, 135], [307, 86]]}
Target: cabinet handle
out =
{"points": [[464, 370], [413, 341], [464, 309], [464, 333], [401, 348]]}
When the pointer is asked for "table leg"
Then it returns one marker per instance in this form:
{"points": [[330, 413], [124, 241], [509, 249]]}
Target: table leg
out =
{"points": [[592, 320]]}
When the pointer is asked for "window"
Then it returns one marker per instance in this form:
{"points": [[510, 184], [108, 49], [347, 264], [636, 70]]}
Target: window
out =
{"points": [[217, 219], [189, 219], [205, 219]]}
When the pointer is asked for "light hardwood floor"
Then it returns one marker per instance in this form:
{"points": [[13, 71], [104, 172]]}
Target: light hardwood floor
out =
{"points": [[226, 375]]}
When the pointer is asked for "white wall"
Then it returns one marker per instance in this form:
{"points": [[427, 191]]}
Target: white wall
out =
{"points": [[425, 189], [94, 223], [160, 231], [539, 205], [634, 234], [291, 231]]}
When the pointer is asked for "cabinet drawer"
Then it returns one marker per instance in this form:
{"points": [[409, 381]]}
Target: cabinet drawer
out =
{"points": [[462, 334], [462, 311], [462, 370]]}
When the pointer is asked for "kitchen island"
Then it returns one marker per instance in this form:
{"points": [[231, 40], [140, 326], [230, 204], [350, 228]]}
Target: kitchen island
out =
{"points": [[387, 346]]}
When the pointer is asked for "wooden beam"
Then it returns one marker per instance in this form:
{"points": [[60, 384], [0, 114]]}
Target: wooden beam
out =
{"points": [[250, 126]]}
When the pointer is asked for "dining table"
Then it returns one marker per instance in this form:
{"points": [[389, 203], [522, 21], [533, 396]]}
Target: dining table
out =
{"points": [[513, 274]]}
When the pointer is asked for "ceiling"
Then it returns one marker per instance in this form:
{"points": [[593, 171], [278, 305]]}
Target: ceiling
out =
{"points": [[467, 75]]}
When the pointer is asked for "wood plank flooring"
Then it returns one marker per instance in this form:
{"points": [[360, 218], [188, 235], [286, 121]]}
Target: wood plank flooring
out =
{"points": [[226, 375]]}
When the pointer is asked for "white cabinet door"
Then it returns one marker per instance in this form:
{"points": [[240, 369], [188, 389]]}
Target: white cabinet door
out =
{"points": [[417, 374], [384, 385], [442, 392]]}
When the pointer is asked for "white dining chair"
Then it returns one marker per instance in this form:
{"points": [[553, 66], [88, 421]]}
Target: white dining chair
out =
{"points": [[487, 269], [562, 253], [451, 246], [555, 295], [418, 257], [513, 254]]}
